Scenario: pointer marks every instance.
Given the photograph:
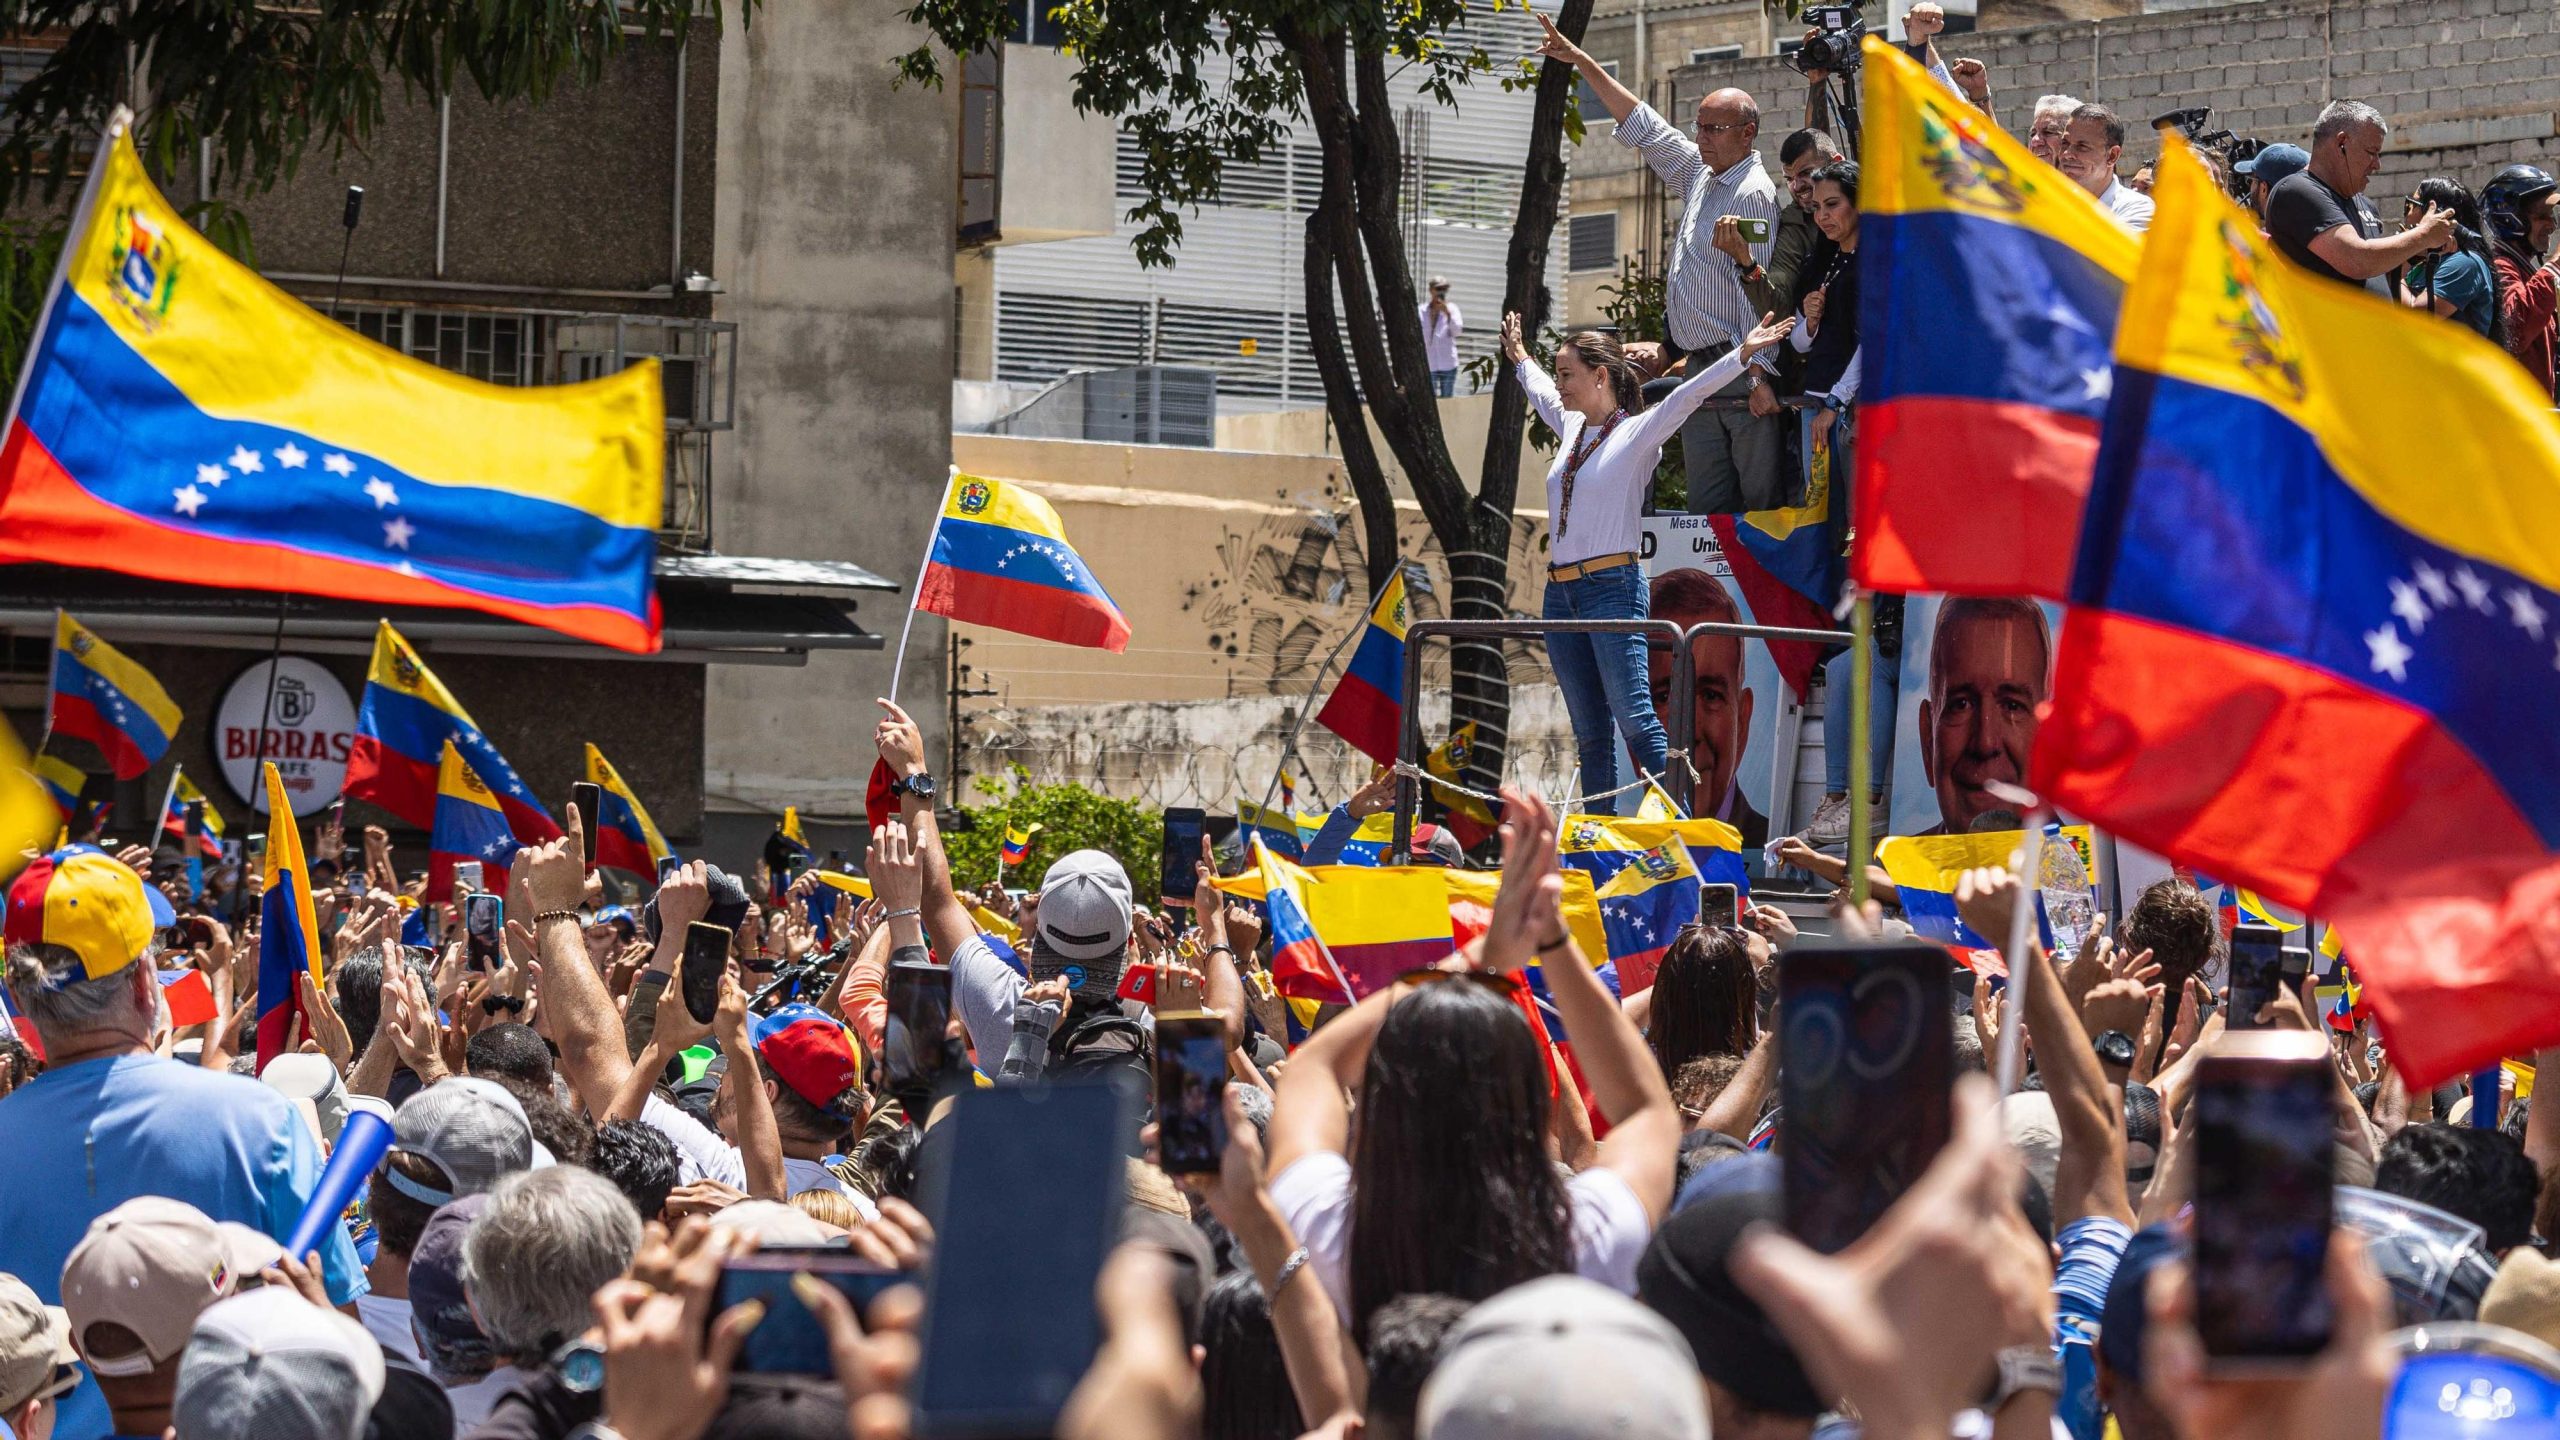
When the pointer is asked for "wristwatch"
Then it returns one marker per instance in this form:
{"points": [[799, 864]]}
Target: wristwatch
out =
{"points": [[2024, 1367], [2114, 1048], [920, 785], [1755, 375], [580, 1366]]}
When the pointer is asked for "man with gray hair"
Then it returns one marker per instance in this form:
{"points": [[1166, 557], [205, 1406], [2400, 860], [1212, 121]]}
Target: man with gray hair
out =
{"points": [[107, 1120], [2320, 220], [2051, 121], [535, 1258]]}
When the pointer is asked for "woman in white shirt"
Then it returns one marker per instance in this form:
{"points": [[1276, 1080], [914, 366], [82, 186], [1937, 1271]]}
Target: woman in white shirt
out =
{"points": [[1608, 445]]}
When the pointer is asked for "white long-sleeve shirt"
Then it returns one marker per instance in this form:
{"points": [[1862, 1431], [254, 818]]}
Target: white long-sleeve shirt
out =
{"points": [[1610, 487], [1440, 336]]}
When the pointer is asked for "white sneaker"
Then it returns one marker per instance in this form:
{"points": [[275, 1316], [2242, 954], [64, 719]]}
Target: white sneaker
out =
{"points": [[1830, 823]]}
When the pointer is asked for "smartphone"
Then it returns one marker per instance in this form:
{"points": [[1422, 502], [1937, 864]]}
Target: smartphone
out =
{"points": [[589, 798], [706, 960], [337, 813], [2292, 968], [988, 1293], [2263, 1202], [1866, 1069], [466, 875], [919, 1015], [791, 1340], [1754, 232], [1720, 905], [1191, 1093], [2257, 968], [484, 923], [1183, 827]]}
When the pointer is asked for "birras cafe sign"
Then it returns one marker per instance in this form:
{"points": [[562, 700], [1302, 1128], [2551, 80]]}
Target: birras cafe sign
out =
{"points": [[310, 731]]}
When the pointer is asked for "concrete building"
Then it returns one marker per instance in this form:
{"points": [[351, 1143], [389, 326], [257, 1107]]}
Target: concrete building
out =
{"points": [[764, 210]]}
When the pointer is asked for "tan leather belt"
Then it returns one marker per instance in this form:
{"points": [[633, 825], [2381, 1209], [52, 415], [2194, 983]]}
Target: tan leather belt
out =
{"points": [[1592, 566]]}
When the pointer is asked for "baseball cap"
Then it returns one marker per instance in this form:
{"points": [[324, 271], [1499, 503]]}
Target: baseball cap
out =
{"points": [[449, 1336], [1438, 842], [1682, 1277], [2525, 1296], [1563, 1356], [1439, 282], [301, 1076], [2274, 163], [85, 901], [274, 1365], [2125, 1318], [151, 1265], [35, 1347], [1083, 929], [469, 1128], [811, 1052]]}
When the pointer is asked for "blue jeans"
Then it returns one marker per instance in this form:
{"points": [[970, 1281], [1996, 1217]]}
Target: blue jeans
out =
{"points": [[1884, 697], [1606, 691], [1445, 382]]}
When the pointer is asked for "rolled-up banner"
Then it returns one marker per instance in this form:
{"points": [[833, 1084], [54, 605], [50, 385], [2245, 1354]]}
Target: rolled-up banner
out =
{"points": [[362, 1142]]}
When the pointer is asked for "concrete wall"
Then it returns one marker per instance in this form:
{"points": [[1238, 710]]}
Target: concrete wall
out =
{"points": [[836, 216], [1464, 419], [1058, 161], [2469, 85]]}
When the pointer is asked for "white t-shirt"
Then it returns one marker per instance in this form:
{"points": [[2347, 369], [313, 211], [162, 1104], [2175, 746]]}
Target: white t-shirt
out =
{"points": [[1440, 336], [703, 1155], [1610, 1227], [387, 1320]]}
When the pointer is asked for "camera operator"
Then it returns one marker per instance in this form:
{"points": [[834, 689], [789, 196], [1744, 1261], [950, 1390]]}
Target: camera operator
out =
{"points": [[2320, 218], [2270, 167], [2091, 144], [1967, 77], [1717, 286], [2522, 208]]}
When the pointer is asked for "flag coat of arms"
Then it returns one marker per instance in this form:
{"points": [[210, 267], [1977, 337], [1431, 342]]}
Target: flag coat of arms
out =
{"points": [[1000, 557], [180, 416], [2314, 623]]}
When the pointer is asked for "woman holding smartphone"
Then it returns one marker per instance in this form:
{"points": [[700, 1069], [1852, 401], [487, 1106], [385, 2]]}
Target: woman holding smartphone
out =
{"points": [[1608, 445]]}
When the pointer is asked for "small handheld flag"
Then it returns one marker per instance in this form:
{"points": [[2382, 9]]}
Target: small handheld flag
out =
{"points": [[469, 826], [786, 853], [288, 929], [183, 792], [100, 695], [1367, 704], [1017, 844], [62, 782], [1000, 557], [626, 838]]}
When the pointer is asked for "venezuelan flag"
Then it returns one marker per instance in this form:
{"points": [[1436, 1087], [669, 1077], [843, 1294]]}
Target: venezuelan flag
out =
{"points": [[1646, 875], [1599, 845], [1001, 558], [786, 854], [626, 838], [401, 730], [288, 929], [1470, 817], [1301, 967], [1367, 704], [100, 695], [1787, 563], [182, 417], [1989, 285], [173, 815], [61, 780], [1379, 922], [1277, 829], [469, 826], [1017, 844], [2315, 612], [1924, 869]]}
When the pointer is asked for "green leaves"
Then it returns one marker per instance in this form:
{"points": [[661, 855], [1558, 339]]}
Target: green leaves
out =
{"points": [[1071, 818]]}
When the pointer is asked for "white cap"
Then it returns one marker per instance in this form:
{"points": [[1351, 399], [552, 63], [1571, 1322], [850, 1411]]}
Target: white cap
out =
{"points": [[272, 1364]]}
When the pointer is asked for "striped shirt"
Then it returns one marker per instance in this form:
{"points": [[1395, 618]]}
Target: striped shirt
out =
{"points": [[1703, 300]]}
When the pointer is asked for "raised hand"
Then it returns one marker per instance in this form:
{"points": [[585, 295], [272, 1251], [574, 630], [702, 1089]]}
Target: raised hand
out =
{"points": [[1768, 332], [1553, 46], [1924, 22], [1527, 910], [897, 871], [1513, 352], [685, 896], [899, 741]]}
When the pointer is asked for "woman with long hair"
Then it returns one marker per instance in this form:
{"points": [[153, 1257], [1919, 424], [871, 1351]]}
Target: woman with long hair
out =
{"points": [[1608, 443], [1446, 1186], [1706, 999], [1244, 1382], [2460, 282]]}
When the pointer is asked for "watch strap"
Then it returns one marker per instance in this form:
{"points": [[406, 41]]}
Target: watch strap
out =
{"points": [[2026, 1367]]}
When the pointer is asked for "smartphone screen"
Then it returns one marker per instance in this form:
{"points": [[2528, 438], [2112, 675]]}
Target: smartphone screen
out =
{"points": [[2257, 965], [988, 1293], [484, 919], [1719, 905], [791, 1340], [706, 959], [589, 798], [2263, 1200], [1866, 1068], [2292, 968], [919, 1014], [1191, 1093], [1183, 828], [466, 875]]}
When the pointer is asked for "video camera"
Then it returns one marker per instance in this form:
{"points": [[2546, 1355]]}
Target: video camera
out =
{"points": [[2231, 149], [1833, 46]]}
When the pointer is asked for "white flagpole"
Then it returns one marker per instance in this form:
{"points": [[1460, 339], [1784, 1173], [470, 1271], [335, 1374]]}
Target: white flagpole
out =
{"points": [[898, 666], [2022, 933]]}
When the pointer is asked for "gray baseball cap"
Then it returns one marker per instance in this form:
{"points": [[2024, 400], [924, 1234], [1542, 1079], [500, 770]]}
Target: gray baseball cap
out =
{"points": [[471, 1129], [1563, 1356], [272, 1364], [1083, 930]]}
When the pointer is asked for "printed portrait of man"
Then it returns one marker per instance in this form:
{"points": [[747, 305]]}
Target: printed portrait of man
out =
{"points": [[1723, 711], [1989, 665]]}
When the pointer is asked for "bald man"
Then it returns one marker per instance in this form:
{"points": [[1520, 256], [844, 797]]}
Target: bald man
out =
{"points": [[1989, 664], [1723, 712]]}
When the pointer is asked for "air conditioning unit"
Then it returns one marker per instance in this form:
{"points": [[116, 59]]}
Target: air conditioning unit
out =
{"points": [[1130, 405]]}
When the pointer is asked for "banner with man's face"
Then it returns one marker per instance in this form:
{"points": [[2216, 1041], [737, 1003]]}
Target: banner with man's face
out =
{"points": [[1972, 673], [1740, 697]]}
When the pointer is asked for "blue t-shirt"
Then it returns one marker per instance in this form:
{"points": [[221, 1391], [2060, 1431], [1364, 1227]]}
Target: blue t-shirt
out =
{"points": [[2463, 281], [83, 1139]]}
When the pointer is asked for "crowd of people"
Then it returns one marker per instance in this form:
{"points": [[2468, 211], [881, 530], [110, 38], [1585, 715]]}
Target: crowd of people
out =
{"points": [[1432, 1215]]}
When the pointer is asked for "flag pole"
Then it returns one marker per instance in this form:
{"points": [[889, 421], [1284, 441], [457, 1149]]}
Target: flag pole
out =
{"points": [[1298, 723], [120, 120], [2022, 933], [1862, 680], [898, 665], [49, 695]]}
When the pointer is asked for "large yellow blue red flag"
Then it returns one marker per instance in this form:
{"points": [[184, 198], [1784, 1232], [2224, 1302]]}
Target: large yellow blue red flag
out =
{"points": [[99, 694], [1001, 558], [401, 730], [2314, 617], [1367, 704], [288, 928], [469, 826], [181, 418], [1988, 286]]}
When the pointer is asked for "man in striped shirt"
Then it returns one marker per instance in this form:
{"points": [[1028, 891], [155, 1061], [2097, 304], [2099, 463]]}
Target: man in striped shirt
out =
{"points": [[1718, 284]]}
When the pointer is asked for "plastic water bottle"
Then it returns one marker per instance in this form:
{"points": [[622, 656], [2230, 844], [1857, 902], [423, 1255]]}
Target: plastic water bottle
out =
{"points": [[2063, 882]]}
